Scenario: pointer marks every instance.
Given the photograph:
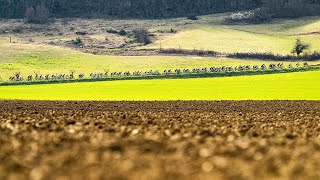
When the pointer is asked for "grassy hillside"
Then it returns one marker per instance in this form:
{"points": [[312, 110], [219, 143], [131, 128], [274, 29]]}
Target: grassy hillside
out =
{"points": [[277, 36], [55, 60], [292, 86], [207, 33], [226, 40]]}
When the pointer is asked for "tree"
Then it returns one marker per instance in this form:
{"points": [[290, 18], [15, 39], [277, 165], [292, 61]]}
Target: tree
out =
{"points": [[30, 14], [299, 47], [123, 8], [39, 15]]}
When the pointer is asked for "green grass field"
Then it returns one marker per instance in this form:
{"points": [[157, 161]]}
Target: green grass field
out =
{"points": [[290, 86], [56, 60]]}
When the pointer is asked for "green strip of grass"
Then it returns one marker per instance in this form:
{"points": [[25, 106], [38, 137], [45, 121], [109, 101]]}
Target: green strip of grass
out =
{"points": [[180, 76], [288, 86]]}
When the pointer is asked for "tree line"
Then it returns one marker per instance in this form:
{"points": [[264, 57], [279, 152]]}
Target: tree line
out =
{"points": [[291, 8], [152, 8], [123, 8]]}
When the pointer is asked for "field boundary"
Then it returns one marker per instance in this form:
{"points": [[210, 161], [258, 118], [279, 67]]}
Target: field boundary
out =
{"points": [[172, 76], [312, 56]]}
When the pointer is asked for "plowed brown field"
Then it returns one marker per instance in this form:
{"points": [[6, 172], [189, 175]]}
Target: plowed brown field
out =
{"points": [[160, 140]]}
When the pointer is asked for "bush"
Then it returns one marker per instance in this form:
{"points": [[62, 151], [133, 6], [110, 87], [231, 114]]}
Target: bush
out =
{"points": [[192, 17], [142, 36], [173, 31], [81, 33], [17, 30], [275, 57], [77, 41], [122, 32], [189, 52]]}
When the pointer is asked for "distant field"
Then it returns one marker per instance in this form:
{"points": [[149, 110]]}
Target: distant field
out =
{"points": [[231, 40], [291, 86], [56, 60], [277, 37], [226, 40]]}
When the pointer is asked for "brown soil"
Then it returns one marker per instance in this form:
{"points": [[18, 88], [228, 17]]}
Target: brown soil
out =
{"points": [[160, 140]]}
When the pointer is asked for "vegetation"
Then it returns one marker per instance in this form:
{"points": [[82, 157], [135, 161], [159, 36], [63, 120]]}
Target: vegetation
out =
{"points": [[222, 39], [142, 36], [155, 8], [277, 37], [122, 32], [189, 52], [206, 35], [172, 76], [299, 47], [37, 15], [276, 9], [77, 41], [54, 60], [291, 8], [292, 86], [124, 8], [313, 56], [192, 17]]}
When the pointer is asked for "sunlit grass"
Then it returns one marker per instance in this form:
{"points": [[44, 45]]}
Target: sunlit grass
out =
{"points": [[291, 86], [55, 60], [277, 36], [226, 40]]}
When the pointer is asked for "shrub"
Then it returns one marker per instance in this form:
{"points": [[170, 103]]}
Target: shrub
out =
{"points": [[17, 30], [173, 31], [122, 32], [276, 57], [192, 17], [189, 52], [81, 33], [142, 36], [77, 41]]}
